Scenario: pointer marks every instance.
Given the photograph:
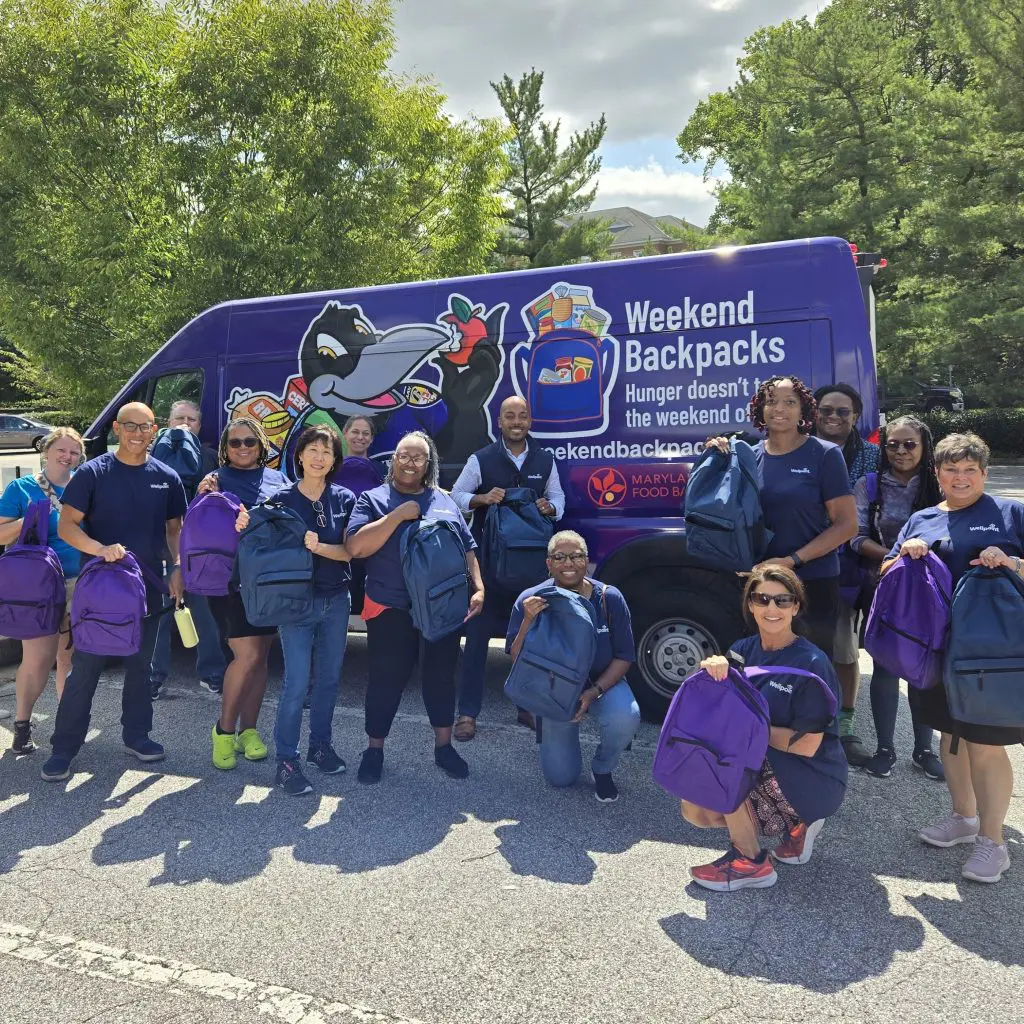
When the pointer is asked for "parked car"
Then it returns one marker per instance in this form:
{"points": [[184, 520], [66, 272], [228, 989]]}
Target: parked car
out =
{"points": [[921, 397], [22, 432]]}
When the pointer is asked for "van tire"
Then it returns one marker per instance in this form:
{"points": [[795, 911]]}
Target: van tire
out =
{"points": [[674, 630]]}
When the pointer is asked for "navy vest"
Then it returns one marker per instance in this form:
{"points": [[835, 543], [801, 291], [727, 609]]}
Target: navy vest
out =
{"points": [[498, 470]]}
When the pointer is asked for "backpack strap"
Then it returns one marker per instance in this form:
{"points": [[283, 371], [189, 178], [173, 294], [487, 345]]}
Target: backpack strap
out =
{"points": [[758, 672], [47, 488], [35, 526]]}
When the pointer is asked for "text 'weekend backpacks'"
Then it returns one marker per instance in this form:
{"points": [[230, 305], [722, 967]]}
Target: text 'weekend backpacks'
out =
{"points": [[32, 594], [984, 666], [178, 449], [909, 619], [554, 662], [275, 568], [209, 544], [722, 508], [515, 541], [434, 568]]}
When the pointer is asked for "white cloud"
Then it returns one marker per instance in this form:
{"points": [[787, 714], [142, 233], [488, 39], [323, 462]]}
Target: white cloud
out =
{"points": [[656, 190]]}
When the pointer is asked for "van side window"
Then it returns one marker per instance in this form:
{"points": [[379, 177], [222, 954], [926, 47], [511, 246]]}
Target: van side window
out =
{"points": [[159, 394]]}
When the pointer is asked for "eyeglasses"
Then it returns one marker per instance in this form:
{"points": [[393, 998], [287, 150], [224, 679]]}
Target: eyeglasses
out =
{"points": [[321, 519], [242, 442], [136, 428], [578, 557], [844, 412], [405, 459], [779, 600], [907, 446]]}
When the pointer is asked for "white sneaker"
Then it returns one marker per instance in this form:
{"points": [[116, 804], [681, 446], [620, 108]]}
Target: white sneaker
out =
{"points": [[987, 862]]}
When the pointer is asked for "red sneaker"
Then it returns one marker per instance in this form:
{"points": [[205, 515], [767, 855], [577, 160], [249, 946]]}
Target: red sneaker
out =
{"points": [[797, 847], [733, 871]]}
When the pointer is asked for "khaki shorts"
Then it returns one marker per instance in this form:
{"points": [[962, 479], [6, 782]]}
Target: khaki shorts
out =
{"points": [[844, 649], [69, 589]]}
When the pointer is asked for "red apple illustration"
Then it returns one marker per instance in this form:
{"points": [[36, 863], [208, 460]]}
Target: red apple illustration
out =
{"points": [[469, 329]]}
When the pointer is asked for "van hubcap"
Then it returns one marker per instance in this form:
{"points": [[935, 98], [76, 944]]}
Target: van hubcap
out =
{"points": [[671, 650]]}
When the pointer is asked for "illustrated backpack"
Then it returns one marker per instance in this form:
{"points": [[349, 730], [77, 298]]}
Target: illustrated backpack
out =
{"points": [[32, 594], [909, 619], [434, 567], [715, 737], [856, 580], [515, 541], [567, 372], [178, 449], [984, 667], [553, 667], [274, 568], [209, 544], [108, 606], [722, 509]]}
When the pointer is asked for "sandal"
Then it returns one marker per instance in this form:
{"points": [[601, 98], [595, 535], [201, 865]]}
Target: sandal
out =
{"points": [[525, 718], [465, 728]]}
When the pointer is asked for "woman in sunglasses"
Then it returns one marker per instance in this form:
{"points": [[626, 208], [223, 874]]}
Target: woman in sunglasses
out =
{"points": [[243, 453], [906, 484], [803, 780]]}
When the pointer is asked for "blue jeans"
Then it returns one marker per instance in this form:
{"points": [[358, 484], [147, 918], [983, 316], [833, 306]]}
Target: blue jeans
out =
{"points": [[325, 632], [617, 718], [210, 663]]}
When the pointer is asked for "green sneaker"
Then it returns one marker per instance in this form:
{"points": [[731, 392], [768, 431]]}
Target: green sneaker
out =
{"points": [[223, 750], [249, 744]]}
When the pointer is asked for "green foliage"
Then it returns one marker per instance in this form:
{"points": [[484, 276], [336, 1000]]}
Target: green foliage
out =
{"points": [[898, 124], [547, 183], [1001, 429], [158, 157]]}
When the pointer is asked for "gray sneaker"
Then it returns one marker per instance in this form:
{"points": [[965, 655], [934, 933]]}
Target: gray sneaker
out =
{"points": [[951, 831], [987, 861]]}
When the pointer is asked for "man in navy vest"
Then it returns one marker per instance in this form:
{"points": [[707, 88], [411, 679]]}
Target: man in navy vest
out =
{"points": [[514, 460]]}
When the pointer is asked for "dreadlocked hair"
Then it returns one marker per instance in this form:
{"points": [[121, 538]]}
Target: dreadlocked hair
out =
{"points": [[808, 406], [928, 493]]}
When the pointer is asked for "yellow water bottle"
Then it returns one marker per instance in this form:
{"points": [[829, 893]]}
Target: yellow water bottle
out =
{"points": [[186, 627]]}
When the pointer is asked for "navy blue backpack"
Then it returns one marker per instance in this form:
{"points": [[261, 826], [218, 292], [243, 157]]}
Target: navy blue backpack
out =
{"points": [[178, 449], [722, 509], [984, 671], [553, 667], [274, 568], [515, 542], [434, 568]]}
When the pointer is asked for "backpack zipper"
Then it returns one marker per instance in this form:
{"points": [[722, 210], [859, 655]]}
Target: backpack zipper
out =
{"points": [[903, 633]]}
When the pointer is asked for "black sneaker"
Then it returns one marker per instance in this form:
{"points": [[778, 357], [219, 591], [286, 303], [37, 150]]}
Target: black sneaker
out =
{"points": [[450, 762], [57, 768], [929, 762], [291, 780], [214, 686], [881, 764], [154, 690], [326, 760], [856, 753], [605, 789], [23, 738], [371, 766]]}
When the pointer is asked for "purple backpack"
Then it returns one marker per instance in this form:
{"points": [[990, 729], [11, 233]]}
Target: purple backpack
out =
{"points": [[209, 544], [909, 619], [108, 606], [715, 737], [32, 593]]}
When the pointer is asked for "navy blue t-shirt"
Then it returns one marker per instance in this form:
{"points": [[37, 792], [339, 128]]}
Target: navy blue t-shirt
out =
{"points": [[814, 786], [990, 521], [794, 489], [128, 505], [251, 486], [329, 576], [614, 630], [385, 582]]}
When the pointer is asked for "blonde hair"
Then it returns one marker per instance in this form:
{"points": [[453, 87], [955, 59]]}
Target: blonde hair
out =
{"points": [[52, 438], [566, 535]]}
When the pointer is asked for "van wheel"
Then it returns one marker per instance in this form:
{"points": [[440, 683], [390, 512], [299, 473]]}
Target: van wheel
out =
{"points": [[675, 631]]}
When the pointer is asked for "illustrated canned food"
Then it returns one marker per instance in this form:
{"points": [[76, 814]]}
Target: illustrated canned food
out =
{"points": [[582, 368], [276, 427], [296, 399]]}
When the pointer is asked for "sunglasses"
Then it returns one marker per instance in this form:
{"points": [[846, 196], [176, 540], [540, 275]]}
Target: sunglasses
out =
{"points": [[242, 442], [577, 556], [321, 519], [907, 446], [844, 412], [779, 600]]}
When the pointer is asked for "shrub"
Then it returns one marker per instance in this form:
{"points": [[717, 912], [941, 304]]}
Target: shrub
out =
{"points": [[1002, 429]]}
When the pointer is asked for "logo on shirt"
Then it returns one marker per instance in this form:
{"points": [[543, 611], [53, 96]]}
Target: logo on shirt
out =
{"points": [[535, 476], [991, 528], [603, 629], [781, 687], [159, 487], [803, 472]]}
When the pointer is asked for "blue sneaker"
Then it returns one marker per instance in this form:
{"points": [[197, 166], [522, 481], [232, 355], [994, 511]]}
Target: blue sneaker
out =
{"points": [[57, 768], [144, 749]]}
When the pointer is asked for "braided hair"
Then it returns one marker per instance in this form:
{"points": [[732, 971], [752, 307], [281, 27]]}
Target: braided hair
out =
{"points": [[854, 444], [928, 492], [808, 405]]}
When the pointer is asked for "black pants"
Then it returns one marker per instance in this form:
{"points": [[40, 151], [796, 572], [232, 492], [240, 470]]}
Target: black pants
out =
{"points": [[394, 646], [75, 705], [821, 616]]}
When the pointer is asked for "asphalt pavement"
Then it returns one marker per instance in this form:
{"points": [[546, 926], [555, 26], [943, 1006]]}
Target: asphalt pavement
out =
{"points": [[175, 892]]}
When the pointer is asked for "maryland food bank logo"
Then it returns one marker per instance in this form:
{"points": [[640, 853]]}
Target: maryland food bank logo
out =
{"points": [[606, 487]]}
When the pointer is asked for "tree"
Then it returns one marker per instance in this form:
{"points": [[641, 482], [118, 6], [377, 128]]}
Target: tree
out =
{"points": [[547, 185], [158, 157]]}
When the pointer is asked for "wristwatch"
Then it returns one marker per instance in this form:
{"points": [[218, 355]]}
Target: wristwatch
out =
{"points": [[600, 692], [797, 560]]}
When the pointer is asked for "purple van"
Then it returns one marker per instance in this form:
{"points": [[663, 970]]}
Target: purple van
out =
{"points": [[628, 366]]}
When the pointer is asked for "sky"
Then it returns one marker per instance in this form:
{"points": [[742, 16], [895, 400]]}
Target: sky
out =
{"points": [[644, 63]]}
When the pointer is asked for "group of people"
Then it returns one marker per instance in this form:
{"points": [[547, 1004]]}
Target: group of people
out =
{"points": [[823, 489]]}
